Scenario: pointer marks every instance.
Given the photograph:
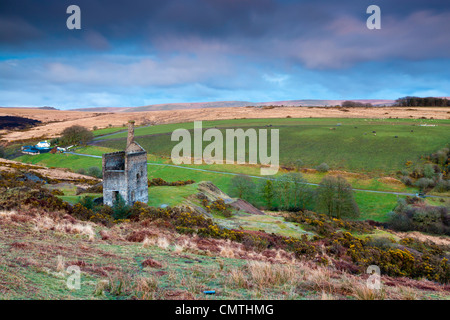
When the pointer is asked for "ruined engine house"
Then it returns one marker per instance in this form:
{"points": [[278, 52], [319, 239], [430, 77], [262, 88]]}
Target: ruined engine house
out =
{"points": [[125, 173]]}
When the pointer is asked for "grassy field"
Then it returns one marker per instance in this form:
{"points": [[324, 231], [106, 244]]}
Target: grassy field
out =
{"points": [[372, 205], [344, 144]]}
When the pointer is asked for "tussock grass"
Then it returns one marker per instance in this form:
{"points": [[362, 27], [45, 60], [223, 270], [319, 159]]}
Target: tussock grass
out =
{"points": [[160, 242], [47, 223], [146, 288], [264, 274], [362, 292]]}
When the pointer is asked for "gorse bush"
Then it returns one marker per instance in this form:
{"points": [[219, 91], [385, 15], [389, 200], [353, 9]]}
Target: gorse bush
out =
{"points": [[325, 225], [162, 182], [218, 206]]}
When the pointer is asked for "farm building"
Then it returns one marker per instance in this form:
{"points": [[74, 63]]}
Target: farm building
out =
{"points": [[43, 144], [125, 173], [40, 147]]}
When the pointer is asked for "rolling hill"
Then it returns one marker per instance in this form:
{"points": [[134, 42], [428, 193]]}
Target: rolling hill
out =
{"points": [[222, 104]]}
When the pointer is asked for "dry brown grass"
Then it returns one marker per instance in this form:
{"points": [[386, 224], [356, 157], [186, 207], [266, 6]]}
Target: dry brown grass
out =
{"points": [[57, 121], [50, 223], [146, 288], [439, 240], [238, 279], [264, 274], [268, 275], [162, 242], [362, 292]]}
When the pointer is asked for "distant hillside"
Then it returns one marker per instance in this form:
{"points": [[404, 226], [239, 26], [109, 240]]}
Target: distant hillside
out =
{"points": [[102, 109], [190, 105], [223, 104]]}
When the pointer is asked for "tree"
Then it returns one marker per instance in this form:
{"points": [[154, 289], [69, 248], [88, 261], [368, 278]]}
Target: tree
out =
{"points": [[353, 104], [2, 152], [335, 198], [120, 210], [76, 134], [424, 183], [293, 192], [267, 192], [242, 187], [428, 171], [87, 202]]}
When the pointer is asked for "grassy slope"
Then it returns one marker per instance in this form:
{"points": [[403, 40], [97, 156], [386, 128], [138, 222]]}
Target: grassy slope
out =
{"points": [[34, 261], [372, 206], [21, 281], [312, 141], [308, 139]]}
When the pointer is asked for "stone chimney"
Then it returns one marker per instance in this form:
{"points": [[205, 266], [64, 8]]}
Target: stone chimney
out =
{"points": [[130, 138]]}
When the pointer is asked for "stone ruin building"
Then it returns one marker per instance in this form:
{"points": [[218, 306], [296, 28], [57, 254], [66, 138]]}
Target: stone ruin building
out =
{"points": [[125, 173]]}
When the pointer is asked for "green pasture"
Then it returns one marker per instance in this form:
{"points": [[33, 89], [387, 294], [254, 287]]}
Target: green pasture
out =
{"points": [[358, 145]]}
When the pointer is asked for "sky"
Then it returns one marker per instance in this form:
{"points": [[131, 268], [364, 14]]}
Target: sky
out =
{"points": [[140, 52]]}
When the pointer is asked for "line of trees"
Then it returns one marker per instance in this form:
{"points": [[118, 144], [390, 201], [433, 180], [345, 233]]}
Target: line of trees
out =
{"points": [[422, 102], [354, 104], [291, 192]]}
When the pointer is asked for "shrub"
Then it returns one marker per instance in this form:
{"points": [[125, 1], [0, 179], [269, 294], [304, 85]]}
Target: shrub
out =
{"points": [[87, 202], [428, 171], [381, 243], [298, 164], [424, 183], [323, 167], [417, 216], [219, 206], [162, 182], [442, 185], [95, 172], [57, 192], [407, 181]]}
